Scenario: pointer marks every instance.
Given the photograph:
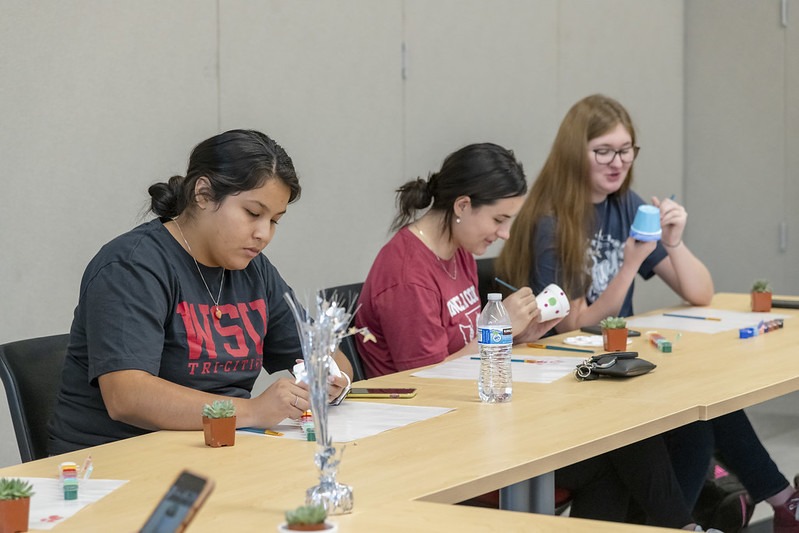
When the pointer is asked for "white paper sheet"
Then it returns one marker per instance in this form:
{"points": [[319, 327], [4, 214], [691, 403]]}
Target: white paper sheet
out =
{"points": [[48, 506], [588, 341], [357, 419], [730, 320], [539, 369]]}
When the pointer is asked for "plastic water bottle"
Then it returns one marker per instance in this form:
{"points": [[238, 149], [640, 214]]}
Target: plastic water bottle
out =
{"points": [[495, 341]]}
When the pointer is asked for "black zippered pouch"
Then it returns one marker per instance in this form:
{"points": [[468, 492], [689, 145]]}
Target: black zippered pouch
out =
{"points": [[613, 364]]}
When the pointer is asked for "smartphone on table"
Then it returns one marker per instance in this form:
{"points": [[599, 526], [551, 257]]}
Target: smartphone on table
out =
{"points": [[374, 392], [179, 505]]}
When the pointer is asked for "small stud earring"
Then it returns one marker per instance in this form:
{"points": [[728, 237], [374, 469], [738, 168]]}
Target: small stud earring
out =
{"points": [[457, 220]]}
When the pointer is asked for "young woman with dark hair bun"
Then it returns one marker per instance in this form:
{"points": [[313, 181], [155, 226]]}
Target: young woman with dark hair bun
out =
{"points": [[185, 309], [421, 299]]}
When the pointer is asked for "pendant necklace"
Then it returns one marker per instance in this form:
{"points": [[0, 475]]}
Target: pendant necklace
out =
{"points": [[440, 262], [217, 310]]}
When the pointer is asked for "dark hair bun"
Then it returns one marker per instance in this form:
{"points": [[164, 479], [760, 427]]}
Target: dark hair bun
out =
{"points": [[166, 197]]}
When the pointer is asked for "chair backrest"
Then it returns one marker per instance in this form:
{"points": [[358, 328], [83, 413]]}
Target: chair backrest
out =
{"points": [[31, 373], [485, 279], [347, 295]]}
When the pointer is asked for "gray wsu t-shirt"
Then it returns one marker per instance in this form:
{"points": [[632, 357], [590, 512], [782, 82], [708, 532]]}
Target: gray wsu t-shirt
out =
{"points": [[143, 306]]}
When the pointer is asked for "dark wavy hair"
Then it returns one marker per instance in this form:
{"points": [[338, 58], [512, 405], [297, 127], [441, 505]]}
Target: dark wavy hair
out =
{"points": [[232, 162], [484, 172]]}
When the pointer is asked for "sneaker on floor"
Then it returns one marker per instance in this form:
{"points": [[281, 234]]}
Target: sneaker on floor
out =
{"points": [[786, 516]]}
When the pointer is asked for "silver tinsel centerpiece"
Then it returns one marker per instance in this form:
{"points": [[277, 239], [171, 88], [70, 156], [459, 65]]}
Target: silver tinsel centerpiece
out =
{"points": [[321, 328]]}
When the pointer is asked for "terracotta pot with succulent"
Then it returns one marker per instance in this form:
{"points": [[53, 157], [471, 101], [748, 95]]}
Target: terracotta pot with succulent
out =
{"points": [[219, 423], [307, 518], [761, 296], [614, 333], [15, 502]]}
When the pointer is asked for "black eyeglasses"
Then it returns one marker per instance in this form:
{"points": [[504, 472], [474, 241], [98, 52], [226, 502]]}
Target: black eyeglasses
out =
{"points": [[605, 156]]}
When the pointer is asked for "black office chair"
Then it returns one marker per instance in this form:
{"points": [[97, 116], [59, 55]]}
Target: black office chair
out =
{"points": [[31, 373], [347, 295], [485, 279]]}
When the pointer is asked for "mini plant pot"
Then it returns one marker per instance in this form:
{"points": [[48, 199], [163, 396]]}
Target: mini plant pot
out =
{"points": [[327, 527], [219, 431], [14, 515], [615, 340], [761, 302]]}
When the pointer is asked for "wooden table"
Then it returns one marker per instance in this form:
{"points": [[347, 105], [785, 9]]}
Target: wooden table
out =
{"points": [[716, 374], [401, 477]]}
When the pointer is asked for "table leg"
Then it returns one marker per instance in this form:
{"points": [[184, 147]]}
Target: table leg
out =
{"points": [[535, 495]]}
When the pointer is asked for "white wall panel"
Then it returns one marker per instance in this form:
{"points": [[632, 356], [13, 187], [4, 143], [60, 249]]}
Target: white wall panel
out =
{"points": [[323, 79], [736, 137], [98, 100], [632, 51], [479, 72]]}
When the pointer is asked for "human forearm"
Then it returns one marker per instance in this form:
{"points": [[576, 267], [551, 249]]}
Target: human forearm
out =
{"points": [[470, 349], [343, 363], [691, 279], [146, 401], [608, 304]]}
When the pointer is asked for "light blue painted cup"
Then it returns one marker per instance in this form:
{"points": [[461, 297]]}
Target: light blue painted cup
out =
{"points": [[646, 226]]}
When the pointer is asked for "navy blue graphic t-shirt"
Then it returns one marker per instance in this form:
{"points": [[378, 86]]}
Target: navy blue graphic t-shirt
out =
{"points": [[614, 217], [143, 306]]}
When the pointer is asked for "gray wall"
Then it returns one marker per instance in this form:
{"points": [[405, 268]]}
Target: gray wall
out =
{"points": [[100, 99]]}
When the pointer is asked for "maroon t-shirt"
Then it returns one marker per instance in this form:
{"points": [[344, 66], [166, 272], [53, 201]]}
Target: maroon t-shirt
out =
{"points": [[417, 312]]}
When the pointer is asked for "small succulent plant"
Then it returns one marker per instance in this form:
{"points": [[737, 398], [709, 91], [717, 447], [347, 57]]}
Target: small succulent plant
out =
{"points": [[15, 489], [613, 322], [219, 409], [306, 515], [761, 285]]}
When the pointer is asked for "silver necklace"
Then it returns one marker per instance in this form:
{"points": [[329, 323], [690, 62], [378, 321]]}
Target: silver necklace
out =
{"points": [[217, 310], [440, 262]]}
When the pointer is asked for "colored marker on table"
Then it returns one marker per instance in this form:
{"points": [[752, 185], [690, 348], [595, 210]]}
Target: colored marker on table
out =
{"points": [[660, 342], [262, 431], [560, 348], [676, 315], [477, 358], [87, 468], [762, 327]]}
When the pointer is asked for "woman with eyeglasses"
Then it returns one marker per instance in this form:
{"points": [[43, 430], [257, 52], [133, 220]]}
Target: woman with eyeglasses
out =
{"points": [[582, 200], [574, 230]]}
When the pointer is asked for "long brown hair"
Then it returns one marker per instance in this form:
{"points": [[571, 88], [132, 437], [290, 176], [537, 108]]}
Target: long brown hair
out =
{"points": [[563, 191]]}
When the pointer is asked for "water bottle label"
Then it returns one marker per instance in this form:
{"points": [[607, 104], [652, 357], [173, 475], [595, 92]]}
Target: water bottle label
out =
{"points": [[494, 336]]}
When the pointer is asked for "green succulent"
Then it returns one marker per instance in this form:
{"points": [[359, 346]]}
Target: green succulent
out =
{"points": [[220, 409], [15, 489], [613, 322], [306, 514], [761, 285]]}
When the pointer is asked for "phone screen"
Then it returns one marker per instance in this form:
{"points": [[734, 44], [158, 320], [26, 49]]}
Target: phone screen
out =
{"points": [[376, 392], [176, 507]]}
